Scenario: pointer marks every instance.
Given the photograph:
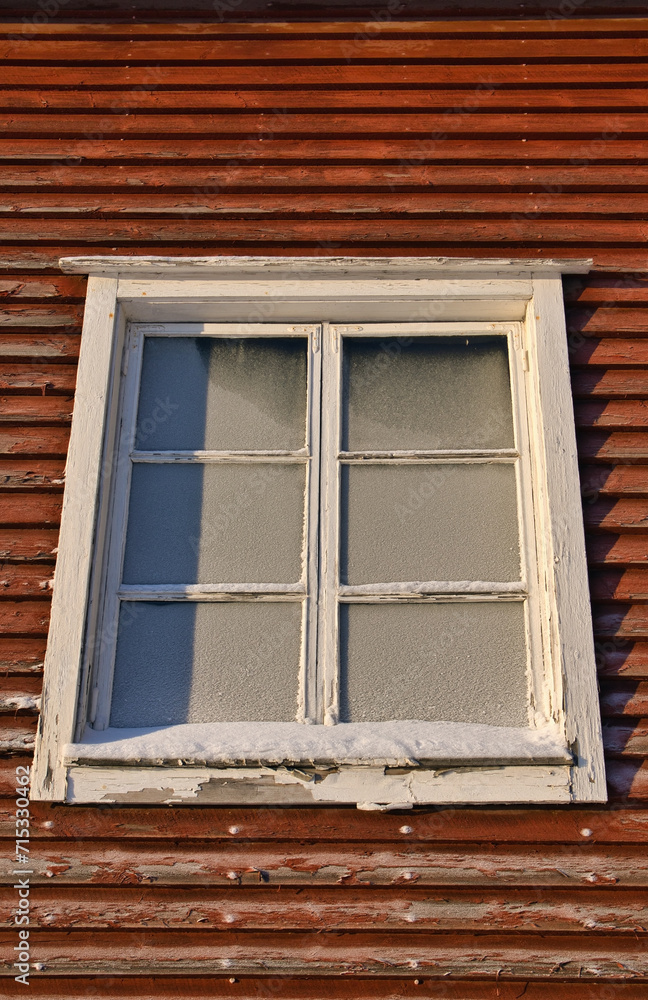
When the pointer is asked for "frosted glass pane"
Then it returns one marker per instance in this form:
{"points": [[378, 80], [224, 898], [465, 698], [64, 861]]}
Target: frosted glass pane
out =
{"points": [[191, 662], [434, 662], [429, 522], [413, 393], [215, 523], [222, 394]]}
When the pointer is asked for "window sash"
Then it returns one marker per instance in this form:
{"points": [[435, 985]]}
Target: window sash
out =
{"points": [[100, 657], [333, 594]]}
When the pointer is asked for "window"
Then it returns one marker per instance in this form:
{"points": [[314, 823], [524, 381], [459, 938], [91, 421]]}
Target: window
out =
{"points": [[322, 540]]}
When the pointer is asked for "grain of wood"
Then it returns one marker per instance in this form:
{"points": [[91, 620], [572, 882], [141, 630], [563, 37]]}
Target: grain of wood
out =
{"points": [[525, 27], [41, 379], [626, 698], [21, 581], [401, 151], [38, 509], [576, 911], [627, 414], [35, 409], [611, 383], [170, 987], [395, 98], [28, 544], [29, 440], [613, 481], [319, 864], [481, 177], [627, 622], [231, 50], [341, 953], [606, 515], [23, 473]]}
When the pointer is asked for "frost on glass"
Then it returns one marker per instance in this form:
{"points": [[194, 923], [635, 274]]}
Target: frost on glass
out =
{"points": [[222, 394], [426, 394], [429, 522], [461, 662], [206, 662], [221, 523]]}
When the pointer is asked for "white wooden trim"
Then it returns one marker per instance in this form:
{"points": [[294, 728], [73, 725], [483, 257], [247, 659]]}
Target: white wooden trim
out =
{"points": [[329, 555], [566, 558], [74, 564], [309, 707], [336, 266], [366, 787], [449, 288]]}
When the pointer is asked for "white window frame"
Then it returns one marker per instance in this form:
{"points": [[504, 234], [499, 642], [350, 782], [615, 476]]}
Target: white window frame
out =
{"points": [[326, 298]]}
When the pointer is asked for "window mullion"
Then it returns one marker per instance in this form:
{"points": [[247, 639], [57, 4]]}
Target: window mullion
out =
{"points": [[309, 708], [330, 522]]}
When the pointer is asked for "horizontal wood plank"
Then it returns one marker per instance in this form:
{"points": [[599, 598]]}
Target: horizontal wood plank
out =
{"points": [[327, 825], [23, 509], [204, 178], [21, 656], [626, 414], [611, 383], [285, 121], [210, 987], [231, 50], [623, 515], [615, 446], [24, 617], [20, 581], [482, 97], [277, 229], [340, 953], [23, 473], [25, 440], [42, 379], [35, 409], [168, 864], [203, 203], [610, 480], [28, 544], [402, 151], [36, 346], [368, 26], [621, 699], [576, 911], [627, 622]]}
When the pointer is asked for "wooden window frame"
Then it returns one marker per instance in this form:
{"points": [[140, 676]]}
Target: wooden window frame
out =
{"points": [[521, 298]]}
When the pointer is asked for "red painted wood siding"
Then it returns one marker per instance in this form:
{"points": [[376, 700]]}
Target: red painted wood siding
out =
{"points": [[465, 138]]}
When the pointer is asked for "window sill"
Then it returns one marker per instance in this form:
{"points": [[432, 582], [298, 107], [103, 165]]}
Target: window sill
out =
{"points": [[382, 766], [384, 744]]}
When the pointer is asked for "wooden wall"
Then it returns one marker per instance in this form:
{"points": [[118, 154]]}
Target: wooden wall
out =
{"points": [[475, 138]]}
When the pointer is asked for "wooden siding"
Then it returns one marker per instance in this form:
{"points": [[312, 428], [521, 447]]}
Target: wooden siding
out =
{"points": [[466, 138]]}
